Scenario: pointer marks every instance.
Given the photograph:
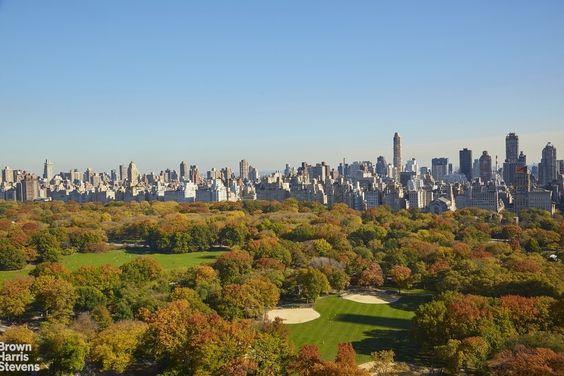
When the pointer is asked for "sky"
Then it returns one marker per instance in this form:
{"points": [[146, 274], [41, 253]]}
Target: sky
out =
{"points": [[99, 83]]}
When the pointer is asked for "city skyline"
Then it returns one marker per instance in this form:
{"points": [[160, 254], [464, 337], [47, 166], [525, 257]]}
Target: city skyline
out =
{"points": [[453, 157], [220, 82]]}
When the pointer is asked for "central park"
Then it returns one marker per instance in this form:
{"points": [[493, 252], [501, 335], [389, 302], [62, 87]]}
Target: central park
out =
{"points": [[275, 288], [369, 327]]}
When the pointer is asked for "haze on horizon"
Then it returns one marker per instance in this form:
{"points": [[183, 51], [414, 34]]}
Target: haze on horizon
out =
{"points": [[102, 83]]}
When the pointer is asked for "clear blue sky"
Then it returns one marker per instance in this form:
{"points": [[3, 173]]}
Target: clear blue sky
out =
{"points": [[99, 83]]}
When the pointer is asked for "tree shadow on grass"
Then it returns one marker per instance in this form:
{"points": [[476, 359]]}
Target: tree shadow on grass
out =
{"points": [[387, 322], [208, 257], [410, 303], [397, 340], [148, 251], [141, 250], [400, 341]]}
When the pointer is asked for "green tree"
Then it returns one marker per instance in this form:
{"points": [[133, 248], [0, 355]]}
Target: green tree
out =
{"points": [[114, 348], [88, 297], [48, 246], [232, 235], [141, 270], [469, 354], [322, 247], [311, 283], [201, 237], [233, 265], [11, 258], [273, 349], [102, 316], [63, 349], [56, 297], [105, 277], [15, 297], [338, 279], [181, 242], [428, 323], [54, 269], [239, 301], [89, 240], [192, 297]]}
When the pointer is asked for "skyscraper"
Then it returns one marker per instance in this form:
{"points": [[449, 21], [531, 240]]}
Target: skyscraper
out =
{"points": [[48, 170], [122, 172], [75, 176], [510, 168], [7, 175], [411, 166], [28, 188], [88, 175], [397, 152], [486, 167], [465, 157], [183, 171], [511, 148], [439, 168], [548, 171], [381, 167], [253, 174], [244, 169], [194, 174], [132, 174]]}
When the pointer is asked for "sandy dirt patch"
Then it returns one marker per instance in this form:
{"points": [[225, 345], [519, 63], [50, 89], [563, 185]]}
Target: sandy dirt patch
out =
{"points": [[293, 315], [371, 297]]}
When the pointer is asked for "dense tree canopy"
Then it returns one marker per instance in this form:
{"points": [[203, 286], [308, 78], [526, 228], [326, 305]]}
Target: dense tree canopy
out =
{"points": [[495, 286]]}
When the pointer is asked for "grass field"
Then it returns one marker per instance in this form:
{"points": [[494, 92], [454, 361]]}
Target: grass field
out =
{"points": [[369, 327], [118, 257]]}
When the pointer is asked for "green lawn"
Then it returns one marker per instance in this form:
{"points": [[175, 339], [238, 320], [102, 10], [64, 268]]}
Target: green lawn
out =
{"points": [[369, 327], [9, 274], [118, 257]]}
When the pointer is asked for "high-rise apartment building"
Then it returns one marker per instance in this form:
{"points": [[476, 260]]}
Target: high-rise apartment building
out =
{"points": [[465, 158], [7, 175], [320, 171], [28, 188], [548, 170], [88, 175], [439, 168], [194, 174], [48, 170], [510, 169], [512, 158], [253, 174], [381, 166], [183, 171], [411, 166], [122, 172], [511, 148], [486, 167], [226, 174], [522, 180], [397, 152], [244, 169], [75, 175], [132, 174]]}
